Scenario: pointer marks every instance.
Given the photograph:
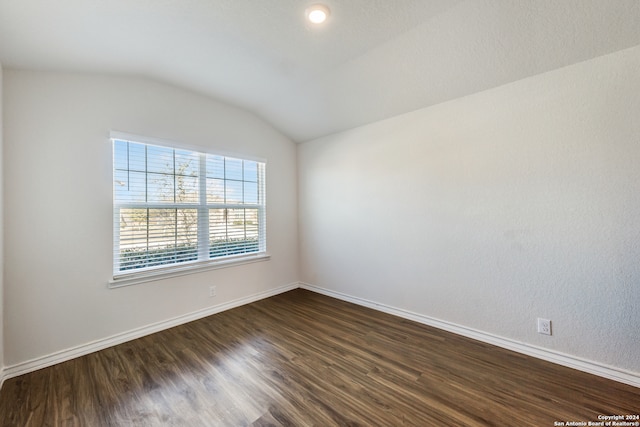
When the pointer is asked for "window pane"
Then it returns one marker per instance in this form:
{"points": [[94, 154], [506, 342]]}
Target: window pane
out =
{"points": [[250, 171], [120, 184], [152, 237], [162, 228], [251, 225], [233, 191], [159, 159], [187, 228], [133, 228], [187, 163], [129, 186], [215, 191], [160, 188], [233, 169], [137, 157], [233, 231], [133, 238], [235, 223], [187, 189], [217, 232], [215, 166], [251, 193], [120, 155]]}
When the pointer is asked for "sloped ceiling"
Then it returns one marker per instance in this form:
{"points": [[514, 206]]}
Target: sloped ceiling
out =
{"points": [[372, 60]]}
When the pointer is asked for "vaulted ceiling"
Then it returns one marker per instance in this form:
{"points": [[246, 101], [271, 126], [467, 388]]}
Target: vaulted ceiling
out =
{"points": [[371, 60]]}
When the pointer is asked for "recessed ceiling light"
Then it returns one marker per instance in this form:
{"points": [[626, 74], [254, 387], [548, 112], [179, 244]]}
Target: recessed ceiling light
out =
{"points": [[317, 14]]}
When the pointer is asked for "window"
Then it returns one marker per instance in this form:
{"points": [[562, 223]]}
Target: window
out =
{"points": [[176, 208]]}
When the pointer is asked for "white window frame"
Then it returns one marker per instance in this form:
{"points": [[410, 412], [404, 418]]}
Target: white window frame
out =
{"points": [[204, 262]]}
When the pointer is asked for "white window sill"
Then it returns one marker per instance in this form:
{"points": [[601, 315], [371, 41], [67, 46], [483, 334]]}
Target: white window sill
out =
{"points": [[183, 269]]}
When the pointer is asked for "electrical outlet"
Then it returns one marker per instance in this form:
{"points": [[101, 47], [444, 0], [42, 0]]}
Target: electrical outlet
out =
{"points": [[212, 291], [544, 326]]}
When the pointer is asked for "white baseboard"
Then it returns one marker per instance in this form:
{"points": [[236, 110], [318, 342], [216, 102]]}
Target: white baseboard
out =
{"points": [[83, 349], [574, 362], [627, 377]]}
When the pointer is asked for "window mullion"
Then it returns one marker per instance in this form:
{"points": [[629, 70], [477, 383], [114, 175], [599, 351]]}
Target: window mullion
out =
{"points": [[203, 213]]}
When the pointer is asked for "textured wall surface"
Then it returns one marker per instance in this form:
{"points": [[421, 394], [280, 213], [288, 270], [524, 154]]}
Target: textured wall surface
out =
{"points": [[58, 202], [493, 209]]}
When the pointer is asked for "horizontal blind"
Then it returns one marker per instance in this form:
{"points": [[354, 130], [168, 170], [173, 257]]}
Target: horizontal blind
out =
{"points": [[174, 206]]}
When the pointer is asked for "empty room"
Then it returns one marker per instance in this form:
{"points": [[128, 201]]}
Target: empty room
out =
{"points": [[319, 213]]}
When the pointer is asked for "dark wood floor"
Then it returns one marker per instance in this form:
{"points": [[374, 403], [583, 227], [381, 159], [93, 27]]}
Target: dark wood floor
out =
{"points": [[305, 359]]}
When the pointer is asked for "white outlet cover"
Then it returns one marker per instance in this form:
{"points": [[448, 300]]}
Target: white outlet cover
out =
{"points": [[544, 326]]}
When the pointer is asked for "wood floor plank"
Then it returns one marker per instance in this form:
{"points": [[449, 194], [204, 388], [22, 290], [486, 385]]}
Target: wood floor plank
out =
{"points": [[304, 359]]}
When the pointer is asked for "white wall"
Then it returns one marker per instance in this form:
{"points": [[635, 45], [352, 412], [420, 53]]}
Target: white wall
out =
{"points": [[492, 210], [58, 201]]}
